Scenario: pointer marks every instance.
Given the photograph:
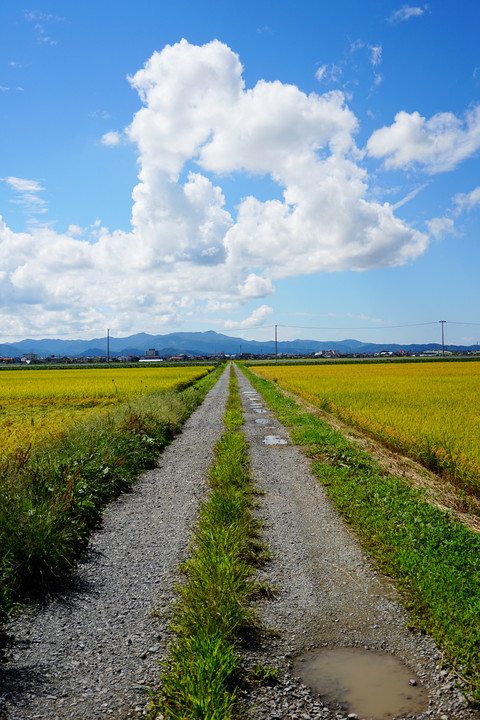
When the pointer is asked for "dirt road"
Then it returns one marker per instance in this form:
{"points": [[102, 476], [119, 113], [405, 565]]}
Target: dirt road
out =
{"points": [[91, 651], [329, 594]]}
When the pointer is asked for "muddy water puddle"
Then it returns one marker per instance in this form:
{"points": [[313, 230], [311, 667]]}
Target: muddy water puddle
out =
{"points": [[374, 686], [274, 440]]}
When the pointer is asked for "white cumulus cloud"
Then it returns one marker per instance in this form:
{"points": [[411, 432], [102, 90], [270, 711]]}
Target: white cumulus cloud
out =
{"points": [[467, 201], [189, 248], [461, 203], [112, 138], [440, 226], [438, 144], [258, 317]]}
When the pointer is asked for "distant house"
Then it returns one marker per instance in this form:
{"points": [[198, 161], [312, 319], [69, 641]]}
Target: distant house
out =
{"points": [[29, 358]]}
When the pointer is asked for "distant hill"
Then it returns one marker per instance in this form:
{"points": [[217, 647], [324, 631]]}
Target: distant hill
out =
{"points": [[202, 343]]}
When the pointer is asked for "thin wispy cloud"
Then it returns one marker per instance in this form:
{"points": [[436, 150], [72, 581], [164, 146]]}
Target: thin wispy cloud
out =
{"points": [[409, 197], [328, 73], [100, 115], [405, 13], [374, 57], [27, 194], [375, 54], [375, 60], [355, 316], [39, 20]]}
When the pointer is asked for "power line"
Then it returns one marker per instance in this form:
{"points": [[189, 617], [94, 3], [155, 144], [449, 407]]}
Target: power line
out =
{"points": [[350, 328], [329, 327], [453, 322], [367, 327]]}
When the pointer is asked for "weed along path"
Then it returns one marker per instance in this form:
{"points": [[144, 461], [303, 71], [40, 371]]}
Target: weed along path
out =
{"points": [[92, 650], [337, 623]]}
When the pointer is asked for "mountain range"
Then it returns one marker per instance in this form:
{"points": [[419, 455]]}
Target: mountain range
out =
{"points": [[203, 343]]}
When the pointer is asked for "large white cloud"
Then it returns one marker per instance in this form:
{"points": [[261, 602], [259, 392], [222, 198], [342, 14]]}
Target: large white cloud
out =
{"points": [[187, 245], [438, 144], [197, 108]]}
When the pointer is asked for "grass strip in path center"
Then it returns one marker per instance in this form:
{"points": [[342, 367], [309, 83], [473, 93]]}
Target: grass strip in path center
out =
{"points": [[213, 608]]}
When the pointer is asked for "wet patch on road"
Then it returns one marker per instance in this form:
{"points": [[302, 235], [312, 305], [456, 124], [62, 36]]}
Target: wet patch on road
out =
{"points": [[368, 683]]}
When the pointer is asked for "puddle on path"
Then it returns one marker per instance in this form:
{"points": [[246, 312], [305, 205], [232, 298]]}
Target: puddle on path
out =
{"points": [[249, 392], [274, 440], [259, 410], [262, 421], [373, 685]]}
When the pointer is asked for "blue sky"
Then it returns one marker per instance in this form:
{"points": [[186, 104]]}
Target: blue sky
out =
{"points": [[194, 166]]}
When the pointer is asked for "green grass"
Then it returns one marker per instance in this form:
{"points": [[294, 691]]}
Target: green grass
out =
{"points": [[52, 498], [434, 560], [214, 605]]}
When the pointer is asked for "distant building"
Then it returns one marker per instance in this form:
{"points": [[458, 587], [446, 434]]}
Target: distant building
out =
{"points": [[151, 353], [29, 358]]}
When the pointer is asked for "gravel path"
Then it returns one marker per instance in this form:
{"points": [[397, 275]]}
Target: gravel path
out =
{"points": [[328, 593], [90, 652]]}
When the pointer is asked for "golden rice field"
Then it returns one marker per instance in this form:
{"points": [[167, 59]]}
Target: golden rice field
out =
{"points": [[429, 411], [37, 405]]}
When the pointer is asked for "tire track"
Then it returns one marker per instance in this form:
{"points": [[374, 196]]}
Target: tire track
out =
{"points": [[328, 592], [93, 649]]}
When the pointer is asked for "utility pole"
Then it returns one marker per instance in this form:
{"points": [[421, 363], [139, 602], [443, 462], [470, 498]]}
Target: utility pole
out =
{"points": [[443, 341], [108, 345], [276, 358]]}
